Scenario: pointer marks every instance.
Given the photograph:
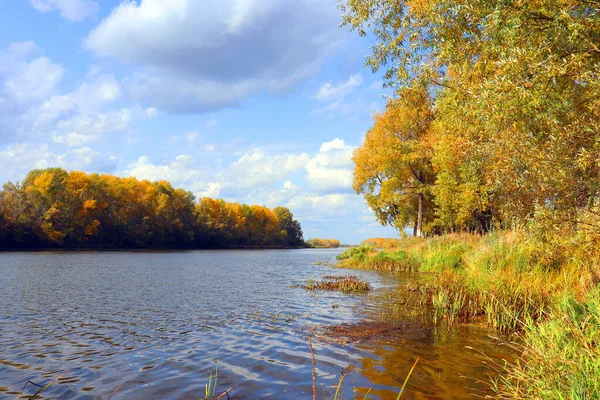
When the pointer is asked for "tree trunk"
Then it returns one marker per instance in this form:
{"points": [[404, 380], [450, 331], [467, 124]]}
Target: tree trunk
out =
{"points": [[420, 217], [415, 227]]}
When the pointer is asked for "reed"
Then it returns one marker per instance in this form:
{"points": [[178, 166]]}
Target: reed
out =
{"points": [[392, 261], [548, 293], [342, 283], [561, 356]]}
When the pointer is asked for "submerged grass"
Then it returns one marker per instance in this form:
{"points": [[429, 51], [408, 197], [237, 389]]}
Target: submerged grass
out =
{"points": [[342, 283], [507, 280]]}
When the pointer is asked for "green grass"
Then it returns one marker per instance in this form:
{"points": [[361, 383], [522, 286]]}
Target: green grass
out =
{"points": [[561, 358], [508, 280], [365, 257], [358, 252]]}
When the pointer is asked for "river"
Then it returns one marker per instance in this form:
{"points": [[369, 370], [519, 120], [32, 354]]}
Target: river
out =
{"points": [[167, 319]]}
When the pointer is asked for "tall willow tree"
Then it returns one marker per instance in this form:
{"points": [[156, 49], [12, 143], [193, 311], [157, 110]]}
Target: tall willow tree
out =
{"points": [[393, 167], [517, 128]]}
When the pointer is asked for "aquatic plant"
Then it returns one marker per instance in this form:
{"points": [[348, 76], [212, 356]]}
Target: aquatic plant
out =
{"points": [[517, 283], [343, 283], [358, 252]]}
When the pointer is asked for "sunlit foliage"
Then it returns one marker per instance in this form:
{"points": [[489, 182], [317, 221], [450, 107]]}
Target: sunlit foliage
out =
{"points": [[323, 243], [53, 207], [393, 166], [515, 89]]}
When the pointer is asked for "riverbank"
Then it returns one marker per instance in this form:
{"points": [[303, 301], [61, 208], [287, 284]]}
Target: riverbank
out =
{"points": [[514, 284]]}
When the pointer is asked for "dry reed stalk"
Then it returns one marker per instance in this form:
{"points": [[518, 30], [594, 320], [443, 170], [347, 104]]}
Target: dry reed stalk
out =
{"points": [[314, 371]]}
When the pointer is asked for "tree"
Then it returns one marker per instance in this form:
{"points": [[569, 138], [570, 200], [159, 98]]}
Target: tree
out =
{"points": [[53, 207], [393, 166], [517, 98], [290, 229]]}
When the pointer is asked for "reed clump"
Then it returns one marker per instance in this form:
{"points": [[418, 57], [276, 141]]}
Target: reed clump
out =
{"points": [[560, 356], [360, 252], [365, 257], [547, 292], [342, 283]]}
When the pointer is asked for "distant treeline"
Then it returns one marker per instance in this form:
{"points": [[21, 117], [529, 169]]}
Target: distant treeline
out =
{"points": [[382, 243], [56, 208], [323, 243]]}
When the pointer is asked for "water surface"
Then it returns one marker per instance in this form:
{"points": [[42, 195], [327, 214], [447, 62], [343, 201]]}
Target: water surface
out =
{"points": [[168, 319]]}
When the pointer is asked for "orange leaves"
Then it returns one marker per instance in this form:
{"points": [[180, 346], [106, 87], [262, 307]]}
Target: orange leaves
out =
{"points": [[393, 167], [44, 182], [89, 205], [53, 207]]}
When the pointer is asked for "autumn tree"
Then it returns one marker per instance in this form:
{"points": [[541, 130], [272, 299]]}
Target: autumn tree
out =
{"points": [[53, 207], [393, 166], [517, 98]]}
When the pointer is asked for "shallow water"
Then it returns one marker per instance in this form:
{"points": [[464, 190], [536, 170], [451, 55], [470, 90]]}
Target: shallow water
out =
{"points": [[167, 319]]}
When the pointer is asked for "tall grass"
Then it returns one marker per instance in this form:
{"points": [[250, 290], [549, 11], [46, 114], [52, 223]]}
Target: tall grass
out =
{"points": [[515, 283], [367, 257], [561, 358]]}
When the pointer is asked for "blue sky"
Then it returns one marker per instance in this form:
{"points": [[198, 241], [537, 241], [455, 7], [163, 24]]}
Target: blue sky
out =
{"points": [[255, 101]]}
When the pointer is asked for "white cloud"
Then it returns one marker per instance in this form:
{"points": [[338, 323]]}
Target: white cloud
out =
{"points": [[181, 170], [200, 56], [26, 78], [212, 189], [331, 91], [72, 10], [331, 169], [288, 185], [256, 168], [34, 81], [322, 204], [18, 159], [343, 99], [335, 144], [151, 112], [72, 139], [31, 106], [77, 117]]}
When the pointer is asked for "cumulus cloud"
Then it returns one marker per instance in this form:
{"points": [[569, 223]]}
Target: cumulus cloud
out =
{"points": [[256, 168], [200, 56], [31, 105], [183, 170], [26, 78], [18, 159], [72, 10], [331, 169], [82, 116], [330, 90]]}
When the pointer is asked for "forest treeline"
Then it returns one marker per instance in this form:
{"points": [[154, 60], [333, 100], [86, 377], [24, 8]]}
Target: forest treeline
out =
{"points": [[495, 118], [323, 243], [56, 208]]}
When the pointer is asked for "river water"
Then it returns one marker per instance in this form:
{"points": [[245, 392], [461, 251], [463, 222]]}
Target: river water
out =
{"points": [[167, 319]]}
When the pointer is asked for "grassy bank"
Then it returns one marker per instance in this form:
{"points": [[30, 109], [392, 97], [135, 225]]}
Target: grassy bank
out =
{"points": [[514, 283]]}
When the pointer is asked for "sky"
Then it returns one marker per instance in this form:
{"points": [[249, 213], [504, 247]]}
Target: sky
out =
{"points": [[254, 101]]}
